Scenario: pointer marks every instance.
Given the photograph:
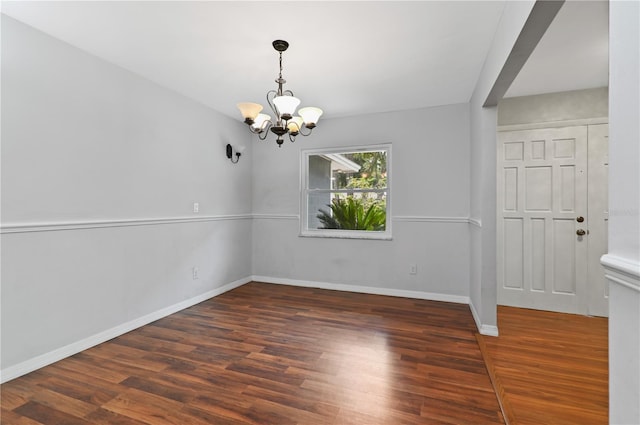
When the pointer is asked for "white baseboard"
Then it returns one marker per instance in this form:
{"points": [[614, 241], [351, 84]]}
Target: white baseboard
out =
{"points": [[488, 330], [40, 361], [365, 289]]}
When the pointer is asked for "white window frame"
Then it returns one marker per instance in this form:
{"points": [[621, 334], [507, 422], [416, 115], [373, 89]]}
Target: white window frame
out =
{"points": [[304, 192]]}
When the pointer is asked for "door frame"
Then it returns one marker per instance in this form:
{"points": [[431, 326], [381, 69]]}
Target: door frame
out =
{"points": [[499, 217]]}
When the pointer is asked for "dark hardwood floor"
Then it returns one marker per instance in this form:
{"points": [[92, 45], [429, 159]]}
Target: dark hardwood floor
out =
{"points": [[267, 354], [549, 368]]}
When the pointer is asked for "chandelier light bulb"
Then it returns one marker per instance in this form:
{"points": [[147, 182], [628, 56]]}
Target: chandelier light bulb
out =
{"points": [[310, 116], [294, 125], [286, 105], [260, 120], [249, 110]]}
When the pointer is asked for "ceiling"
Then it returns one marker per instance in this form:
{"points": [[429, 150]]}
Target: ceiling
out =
{"points": [[573, 54], [347, 58]]}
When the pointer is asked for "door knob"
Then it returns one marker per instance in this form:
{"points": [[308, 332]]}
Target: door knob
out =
{"points": [[580, 219], [580, 232]]}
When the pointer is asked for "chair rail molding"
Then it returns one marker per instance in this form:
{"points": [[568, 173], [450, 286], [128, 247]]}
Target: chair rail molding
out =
{"points": [[276, 216], [429, 219], [51, 226], [621, 271]]}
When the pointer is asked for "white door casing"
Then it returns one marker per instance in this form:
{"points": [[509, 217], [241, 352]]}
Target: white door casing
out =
{"points": [[542, 190], [598, 183]]}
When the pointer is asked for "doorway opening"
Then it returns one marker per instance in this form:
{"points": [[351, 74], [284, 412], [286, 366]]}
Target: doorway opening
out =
{"points": [[552, 202]]}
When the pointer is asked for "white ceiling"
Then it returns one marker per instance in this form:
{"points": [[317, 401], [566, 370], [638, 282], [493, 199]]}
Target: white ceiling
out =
{"points": [[348, 58], [573, 54]]}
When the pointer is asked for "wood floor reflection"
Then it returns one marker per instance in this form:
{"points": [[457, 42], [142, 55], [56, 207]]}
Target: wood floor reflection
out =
{"points": [[269, 354]]}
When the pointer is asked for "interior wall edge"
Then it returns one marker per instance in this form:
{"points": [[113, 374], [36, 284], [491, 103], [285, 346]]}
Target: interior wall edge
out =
{"points": [[45, 359], [483, 329]]}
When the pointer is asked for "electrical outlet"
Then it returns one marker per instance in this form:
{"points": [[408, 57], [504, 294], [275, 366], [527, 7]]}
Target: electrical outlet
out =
{"points": [[196, 207], [413, 269], [194, 273]]}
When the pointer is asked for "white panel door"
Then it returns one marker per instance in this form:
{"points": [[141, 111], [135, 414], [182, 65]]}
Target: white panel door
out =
{"points": [[542, 192]]}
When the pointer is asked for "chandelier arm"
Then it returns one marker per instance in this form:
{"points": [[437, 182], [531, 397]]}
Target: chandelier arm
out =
{"points": [[303, 133], [265, 131], [289, 92], [291, 138], [259, 130]]}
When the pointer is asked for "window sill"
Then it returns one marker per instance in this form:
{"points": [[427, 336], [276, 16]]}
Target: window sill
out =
{"points": [[346, 234]]}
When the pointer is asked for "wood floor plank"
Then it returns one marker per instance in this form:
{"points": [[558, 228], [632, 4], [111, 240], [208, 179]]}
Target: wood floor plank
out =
{"points": [[48, 414], [549, 368], [62, 403], [90, 392], [270, 354], [144, 406], [106, 417], [9, 417]]}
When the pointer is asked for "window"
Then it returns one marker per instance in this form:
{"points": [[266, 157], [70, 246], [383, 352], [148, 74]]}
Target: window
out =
{"points": [[346, 192]]}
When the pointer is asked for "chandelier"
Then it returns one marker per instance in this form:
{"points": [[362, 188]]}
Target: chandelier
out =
{"points": [[283, 104]]}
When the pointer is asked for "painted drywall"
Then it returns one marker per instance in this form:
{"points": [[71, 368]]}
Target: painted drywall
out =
{"points": [[483, 130], [483, 286], [624, 212], [83, 139], [100, 170], [430, 206], [554, 107]]}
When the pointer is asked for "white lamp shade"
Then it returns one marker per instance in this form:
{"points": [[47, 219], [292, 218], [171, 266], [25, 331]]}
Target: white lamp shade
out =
{"points": [[259, 121], [295, 124], [310, 115], [286, 104], [249, 110]]}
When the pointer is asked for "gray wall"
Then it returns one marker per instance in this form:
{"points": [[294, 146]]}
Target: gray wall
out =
{"points": [[430, 206], [622, 263], [100, 169], [554, 107]]}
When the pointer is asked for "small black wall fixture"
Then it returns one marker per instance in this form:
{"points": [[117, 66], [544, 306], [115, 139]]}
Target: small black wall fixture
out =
{"points": [[230, 153]]}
